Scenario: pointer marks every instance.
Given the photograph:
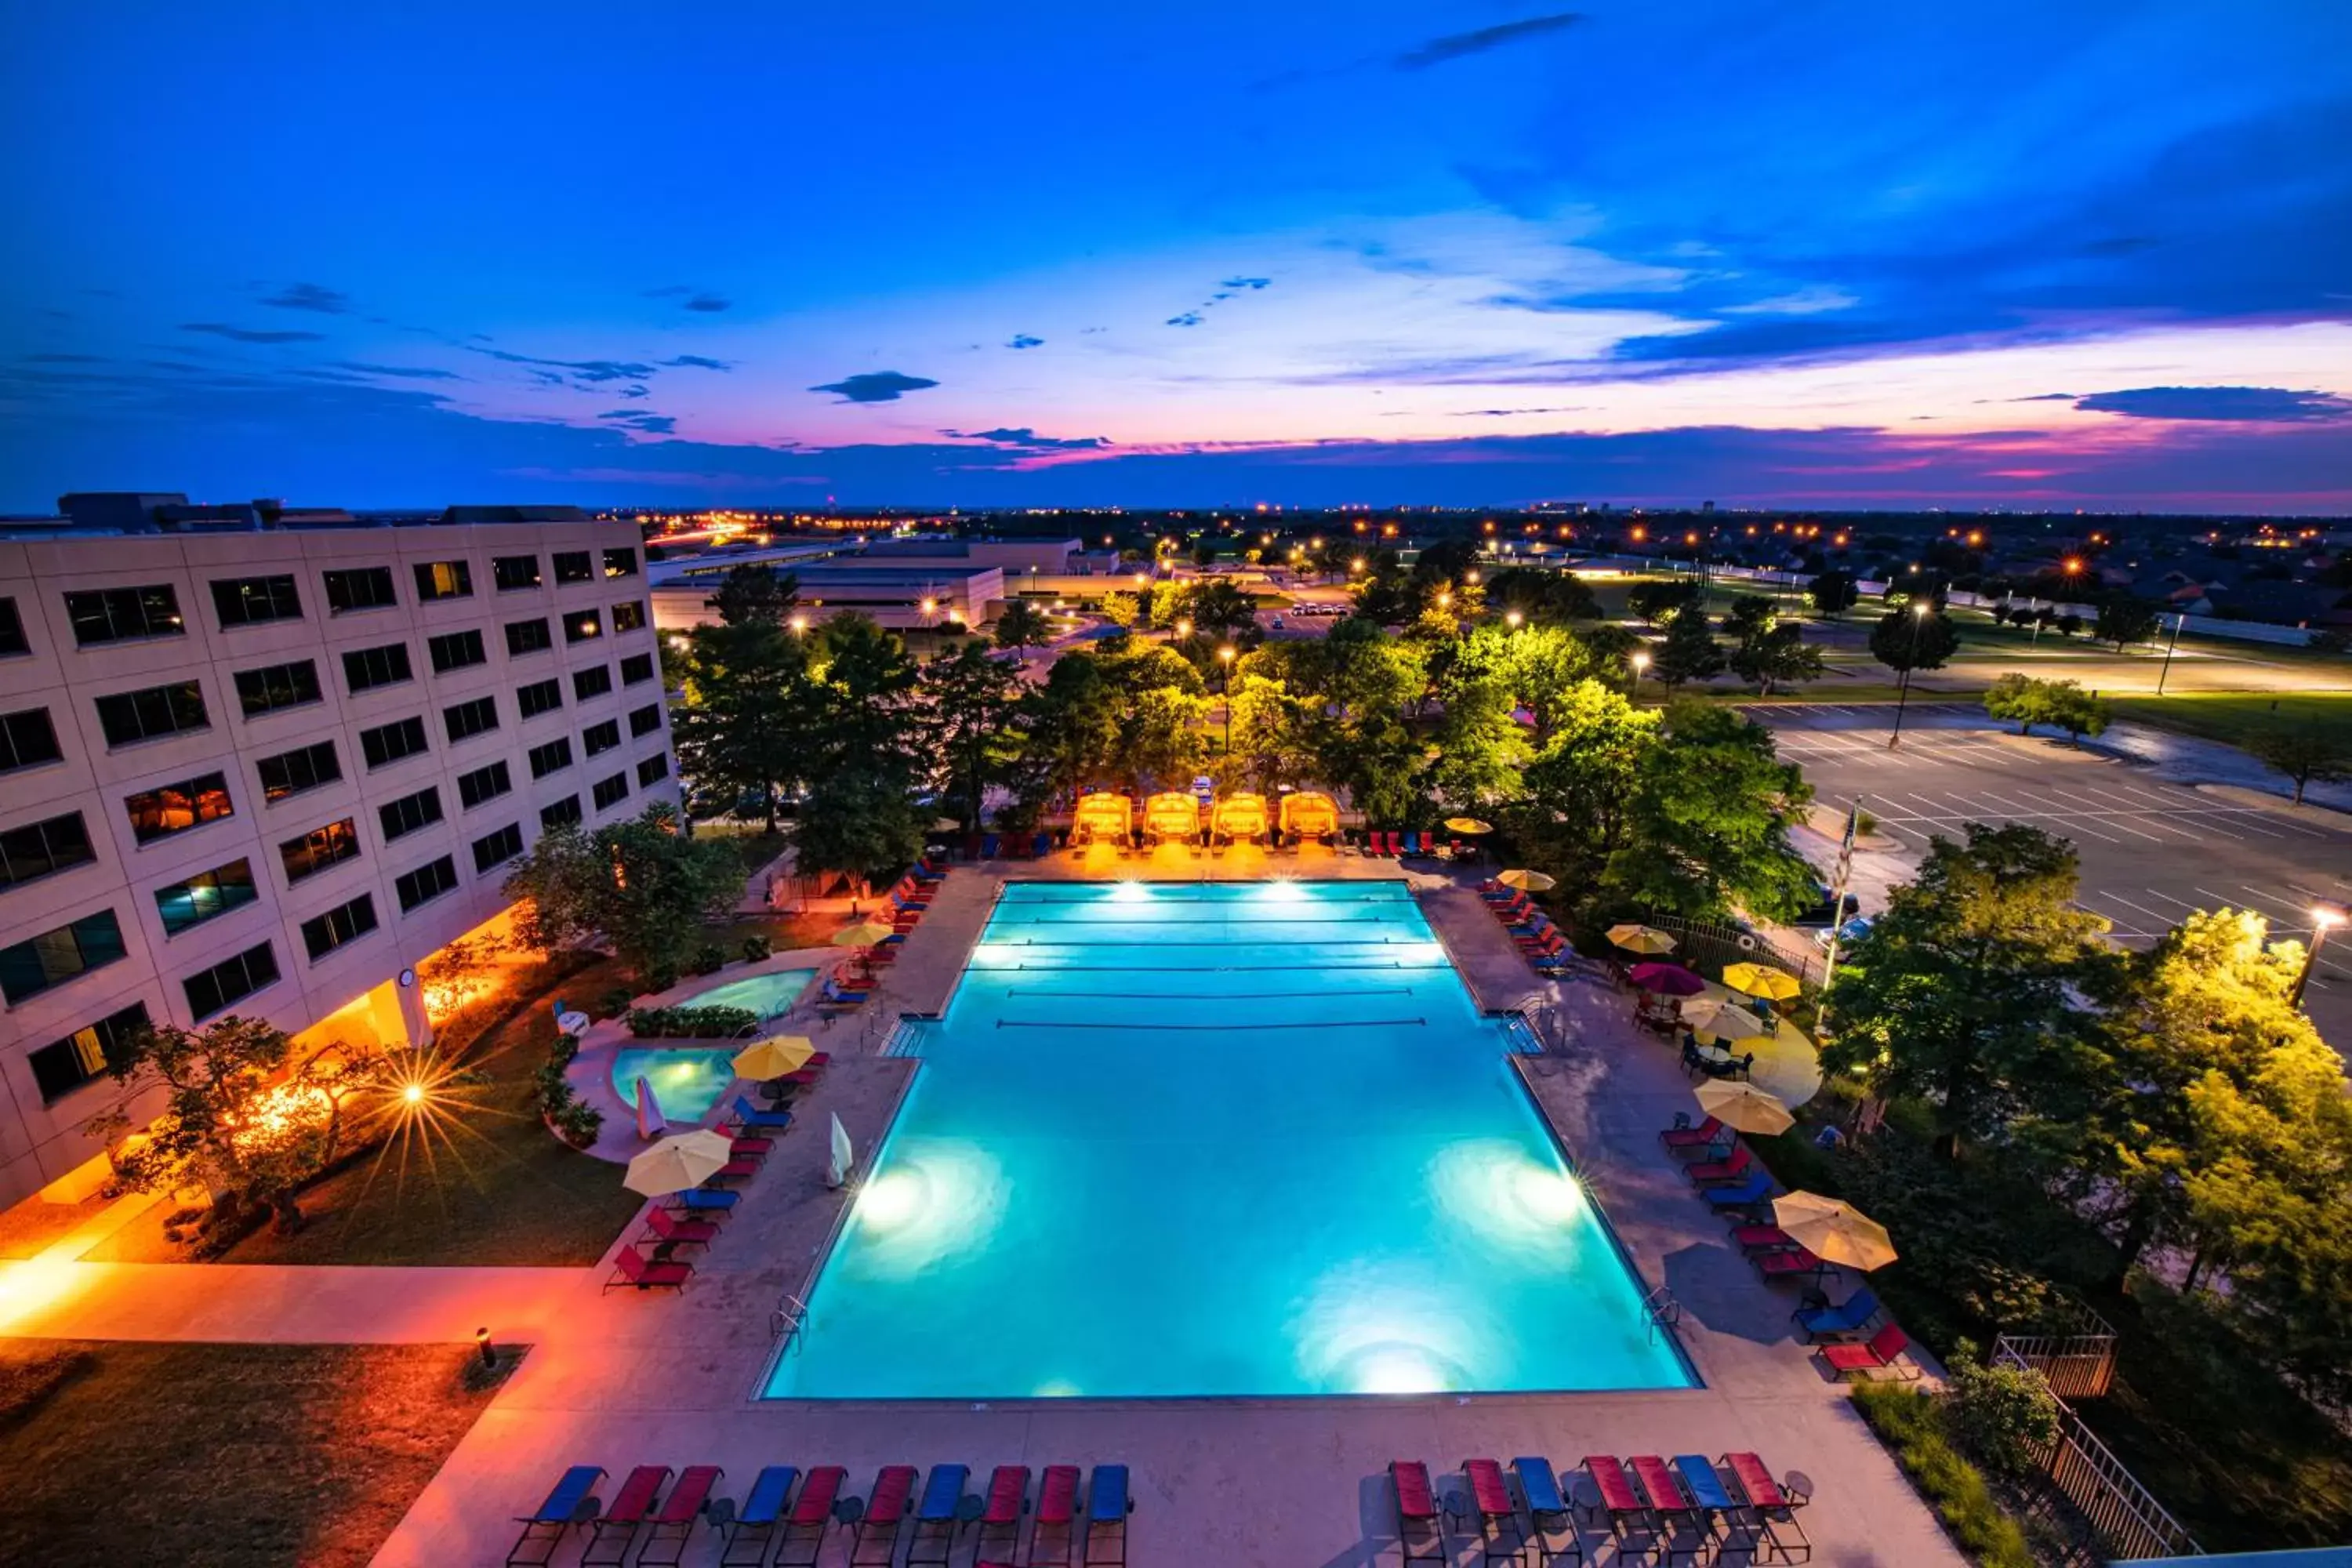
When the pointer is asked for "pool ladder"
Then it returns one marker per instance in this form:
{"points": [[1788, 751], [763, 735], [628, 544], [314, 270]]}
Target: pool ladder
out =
{"points": [[787, 1320], [1662, 1312]]}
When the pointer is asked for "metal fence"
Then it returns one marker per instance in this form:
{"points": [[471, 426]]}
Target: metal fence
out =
{"points": [[1704, 943], [2078, 1365], [2103, 1496]]}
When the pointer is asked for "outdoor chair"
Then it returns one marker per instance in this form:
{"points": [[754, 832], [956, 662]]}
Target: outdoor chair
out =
{"points": [[1612, 1504], [939, 1516], [1058, 1513], [1000, 1517], [1682, 1136], [1419, 1535], [572, 1500], [1722, 1172], [672, 1526], [738, 1169], [664, 1226], [1497, 1512], [1845, 1320], [801, 1540], [1883, 1351], [1754, 1238], [1775, 1506], [886, 1511], [1788, 1263], [1548, 1512], [632, 1269], [1753, 1192], [613, 1536], [1742, 1532], [705, 1200], [753, 1529], [1682, 1528], [1108, 1502]]}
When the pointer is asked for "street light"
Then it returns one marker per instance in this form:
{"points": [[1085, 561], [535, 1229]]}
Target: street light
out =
{"points": [[1903, 692], [2179, 621], [1225, 685], [2325, 917], [1640, 663]]}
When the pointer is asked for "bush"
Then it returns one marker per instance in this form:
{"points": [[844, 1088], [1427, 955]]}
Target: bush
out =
{"points": [[708, 959], [615, 1002], [661, 976], [578, 1121], [692, 1023], [756, 948], [1913, 1427], [2005, 1413]]}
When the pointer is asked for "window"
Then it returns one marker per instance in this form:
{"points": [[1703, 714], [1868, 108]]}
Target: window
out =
{"points": [[319, 848], [512, 572], [251, 601], [583, 625], [38, 848], [651, 771], [205, 895], [365, 668], [591, 682], [527, 636], [602, 737], [563, 812], [438, 580], [638, 667], [410, 811], [628, 617], [574, 567], [646, 720], [11, 630], [608, 791], [230, 981], [540, 696], [65, 1065], [427, 882], [56, 956], [120, 614], [470, 718], [292, 772], [129, 716], [495, 849], [174, 808], [456, 650], [621, 562], [338, 927], [551, 758], [360, 588], [275, 686], [26, 739], [390, 742], [484, 784]]}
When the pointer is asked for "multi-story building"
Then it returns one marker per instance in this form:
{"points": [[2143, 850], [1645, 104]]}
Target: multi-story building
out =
{"points": [[267, 763]]}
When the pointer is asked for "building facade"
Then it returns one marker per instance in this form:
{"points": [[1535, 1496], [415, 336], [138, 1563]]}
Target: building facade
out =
{"points": [[267, 769]]}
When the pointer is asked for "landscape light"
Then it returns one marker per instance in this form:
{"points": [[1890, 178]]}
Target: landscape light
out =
{"points": [[799, 623], [1183, 628], [1356, 564], [1225, 654], [1641, 662], [1511, 618]]}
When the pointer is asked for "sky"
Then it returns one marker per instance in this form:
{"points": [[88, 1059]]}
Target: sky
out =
{"points": [[1808, 253]]}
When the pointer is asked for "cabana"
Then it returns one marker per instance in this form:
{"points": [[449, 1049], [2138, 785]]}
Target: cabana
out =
{"points": [[1238, 819], [1171, 818], [1102, 818], [1309, 815]]}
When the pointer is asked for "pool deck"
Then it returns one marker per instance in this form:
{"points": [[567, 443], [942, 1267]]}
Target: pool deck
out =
{"points": [[622, 1380]]}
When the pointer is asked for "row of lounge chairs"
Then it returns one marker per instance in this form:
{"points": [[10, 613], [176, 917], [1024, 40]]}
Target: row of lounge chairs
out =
{"points": [[691, 1219], [909, 898], [1418, 846], [788, 1517], [1685, 1510], [1543, 945]]}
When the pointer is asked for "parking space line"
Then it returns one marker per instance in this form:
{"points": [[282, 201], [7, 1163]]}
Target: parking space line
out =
{"points": [[2106, 816]]}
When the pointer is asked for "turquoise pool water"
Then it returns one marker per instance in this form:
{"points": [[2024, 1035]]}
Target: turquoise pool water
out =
{"points": [[1202, 1139], [763, 995], [686, 1083]]}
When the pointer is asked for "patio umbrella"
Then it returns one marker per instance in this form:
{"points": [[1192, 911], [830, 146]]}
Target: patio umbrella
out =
{"points": [[1666, 979], [1725, 1020], [676, 1163], [1760, 980], [1469, 826], [1746, 1107], [1529, 881], [1641, 939], [1834, 1232], [865, 933], [773, 1057]]}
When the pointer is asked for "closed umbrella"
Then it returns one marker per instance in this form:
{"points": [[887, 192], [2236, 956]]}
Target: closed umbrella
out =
{"points": [[1725, 1020], [674, 1164], [1744, 1106], [651, 1123], [1666, 979], [1529, 881], [1641, 939], [1760, 980], [773, 1057], [865, 933], [838, 1169], [1834, 1232], [1469, 826]]}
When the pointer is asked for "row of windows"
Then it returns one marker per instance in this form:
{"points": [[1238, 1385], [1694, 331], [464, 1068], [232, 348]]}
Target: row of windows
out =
{"points": [[54, 957]]}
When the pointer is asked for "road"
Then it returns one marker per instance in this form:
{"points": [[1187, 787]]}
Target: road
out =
{"points": [[2153, 848]]}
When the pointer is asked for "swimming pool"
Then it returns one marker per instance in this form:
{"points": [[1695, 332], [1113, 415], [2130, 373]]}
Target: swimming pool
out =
{"points": [[1217, 1140], [764, 996], [686, 1081]]}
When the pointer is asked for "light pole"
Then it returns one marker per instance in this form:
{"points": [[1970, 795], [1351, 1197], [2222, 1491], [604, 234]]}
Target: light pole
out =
{"points": [[1903, 692], [1226, 686], [1641, 662], [2324, 920], [2179, 620]]}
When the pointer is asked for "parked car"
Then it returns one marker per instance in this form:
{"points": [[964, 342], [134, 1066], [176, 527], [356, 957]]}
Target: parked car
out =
{"points": [[1824, 911], [1852, 931]]}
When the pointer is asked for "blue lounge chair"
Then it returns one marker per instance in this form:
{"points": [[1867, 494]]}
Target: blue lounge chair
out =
{"points": [[573, 1501], [1107, 1506], [707, 1200], [747, 1115], [1845, 1320], [1742, 1532], [938, 1515], [753, 1529], [1411, 845], [1547, 1510], [1746, 1195]]}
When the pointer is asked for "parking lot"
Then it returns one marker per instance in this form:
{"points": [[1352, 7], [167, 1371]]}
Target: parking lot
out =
{"points": [[2153, 848]]}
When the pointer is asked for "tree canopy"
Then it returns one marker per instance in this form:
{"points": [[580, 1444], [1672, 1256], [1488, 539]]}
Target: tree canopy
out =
{"points": [[1708, 821], [639, 884]]}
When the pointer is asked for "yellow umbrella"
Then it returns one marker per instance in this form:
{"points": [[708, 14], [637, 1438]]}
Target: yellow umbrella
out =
{"points": [[1760, 980], [1834, 1232], [866, 933], [1641, 939], [1528, 882], [773, 1057], [1744, 1106], [1469, 826], [1723, 1019], [676, 1163]]}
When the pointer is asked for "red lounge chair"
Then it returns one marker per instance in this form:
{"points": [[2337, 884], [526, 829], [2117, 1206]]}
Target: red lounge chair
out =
{"points": [[1684, 1526], [1773, 1506], [1883, 1351], [1000, 1518], [751, 1147], [1752, 1239], [1789, 1263], [632, 1505], [1621, 1506], [1419, 1535], [886, 1511], [804, 1527], [673, 1527], [632, 1269], [1057, 1515], [1702, 1136], [738, 1170], [664, 1226], [1499, 1512], [1722, 1172]]}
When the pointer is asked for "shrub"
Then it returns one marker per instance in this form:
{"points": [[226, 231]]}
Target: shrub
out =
{"points": [[1913, 1427], [708, 959], [578, 1121], [2005, 1413], [756, 948], [615, 1002], [661, 976], [691, 1023]]}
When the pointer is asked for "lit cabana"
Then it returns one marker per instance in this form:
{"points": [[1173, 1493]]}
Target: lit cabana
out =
{"points": [[1102, 818], [1309, 813], [1238, 819], [1171, 818]]}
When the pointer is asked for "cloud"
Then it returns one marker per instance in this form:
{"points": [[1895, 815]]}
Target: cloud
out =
{"points": [[875, 386], [1245, 282], [1189, 318], [1024, 437], [407, 371], [2252, 405], [636, 389], [1023, 341], [310, 297], [584, 372], [1505, 413], [651, 424], [698, 362], [708, 302], [64, 359], [1457, 45], [250, 334]]}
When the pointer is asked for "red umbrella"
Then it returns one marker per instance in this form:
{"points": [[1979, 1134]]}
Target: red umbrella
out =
{"points": [[1666, 979]]}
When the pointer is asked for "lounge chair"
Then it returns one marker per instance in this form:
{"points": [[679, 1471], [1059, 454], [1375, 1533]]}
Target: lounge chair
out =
{"points": [[989, 843], [1723, 1173], [1615, 1505], [803, 1537], [705, 1200], [752, 1531], [572, 1500], [1420, 1536], [1000, 1516], [1788, 1263], [631, 1268], [1548, 1511], [1497, 1512], [1774, 1506], [1742, 1531], [613, 1536], [886, 1511], [735, 1170], [749, 1118], [1411, 846], [939, 1515], [672, 1527], [664, 1226], [1058, 1514], [1682, 1524], [1748, 1194], [1845, 1320], [1883, 1351], [1706, 1135], [1755, 1238], [1108, 1502]]}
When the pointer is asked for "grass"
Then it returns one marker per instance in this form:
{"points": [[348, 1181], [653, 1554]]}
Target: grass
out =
{"points": [[2234, 717], [202, 1454], [1911, 1424]]}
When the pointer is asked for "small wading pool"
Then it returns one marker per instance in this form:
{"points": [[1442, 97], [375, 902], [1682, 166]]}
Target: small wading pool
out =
{"points": [[687, 1082], [762, 995]]}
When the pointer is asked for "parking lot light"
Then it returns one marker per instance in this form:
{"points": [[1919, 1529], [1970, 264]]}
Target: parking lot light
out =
{"points": [[2325, 917]]}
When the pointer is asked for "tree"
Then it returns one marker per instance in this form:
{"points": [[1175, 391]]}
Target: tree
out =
{"points": [[1904, 640], [1832, 592], [751, 594], [1221, 610], [2075, 710], [1121, 609], [866, 744], [1542, 597], [639, 884], [1576, 811], [747, 693], [1022, 624], [1767, 650], [1963, 994], [1204, 553], [2018, 698], [972, 696], [1689, 651], [1657, 600], [2125, 619], [1708, 822], [2303, 756], [862, 822]]}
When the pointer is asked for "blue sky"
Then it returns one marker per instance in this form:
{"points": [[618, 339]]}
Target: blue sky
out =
{"points": [[1813, 254]]}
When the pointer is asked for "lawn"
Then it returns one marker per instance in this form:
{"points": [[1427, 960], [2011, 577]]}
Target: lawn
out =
{"points": [[196, 1454], [2235, 718]]}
